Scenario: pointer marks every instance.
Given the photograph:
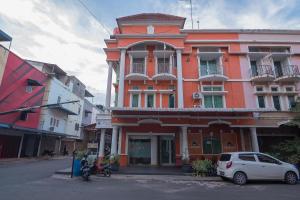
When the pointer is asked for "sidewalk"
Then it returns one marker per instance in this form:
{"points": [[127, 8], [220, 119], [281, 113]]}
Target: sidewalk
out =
{"points": [[31, 159]]}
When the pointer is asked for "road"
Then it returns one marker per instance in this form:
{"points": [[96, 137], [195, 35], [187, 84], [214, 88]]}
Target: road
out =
{"points": [[35, 181]]}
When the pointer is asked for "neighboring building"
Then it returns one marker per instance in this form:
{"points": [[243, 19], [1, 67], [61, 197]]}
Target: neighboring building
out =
{"points": [[64, 121], [192, 94], [4, 38], [22, 86]]}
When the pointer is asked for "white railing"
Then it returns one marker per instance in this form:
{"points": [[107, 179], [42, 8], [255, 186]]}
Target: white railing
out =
{"points": [[287, 70], [138, 68], [262, 70], [163, 68], [211, 70]]}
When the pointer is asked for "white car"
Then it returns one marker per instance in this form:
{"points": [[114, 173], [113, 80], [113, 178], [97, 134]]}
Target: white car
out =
{"points": [[243, 166]]}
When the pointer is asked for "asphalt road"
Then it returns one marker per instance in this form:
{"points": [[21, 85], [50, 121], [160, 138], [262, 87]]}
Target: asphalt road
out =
{"points": [[34, 181]]}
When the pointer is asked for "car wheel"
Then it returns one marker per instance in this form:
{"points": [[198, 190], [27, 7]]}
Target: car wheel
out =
{"points": [[240, 178], [291, 178]]}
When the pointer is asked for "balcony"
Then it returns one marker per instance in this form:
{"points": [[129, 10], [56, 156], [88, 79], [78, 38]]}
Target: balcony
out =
{"points": [[137, 72], [212, 73], [164, 72], [262, 73], [288, 73]]}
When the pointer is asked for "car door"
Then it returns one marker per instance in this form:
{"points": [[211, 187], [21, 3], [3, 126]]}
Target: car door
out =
{"points": [[270, 168], [248, 164]]}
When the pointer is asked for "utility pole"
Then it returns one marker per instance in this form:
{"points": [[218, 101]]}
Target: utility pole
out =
{"points": [[191, 5]]}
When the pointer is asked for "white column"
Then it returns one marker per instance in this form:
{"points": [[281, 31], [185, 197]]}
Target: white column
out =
{"points": [[254, 141], [185, 149], [108, 86], [113, 150], [102, 143], [120, 141], [154, 150], [20, 146], [121, 79], [179, 80], [242, 139]]}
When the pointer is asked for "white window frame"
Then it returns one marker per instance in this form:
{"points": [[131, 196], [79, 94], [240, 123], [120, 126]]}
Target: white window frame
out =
{"points": [[154, 100], [139, 100], [213, 101], [280, 101], [222, 87]]}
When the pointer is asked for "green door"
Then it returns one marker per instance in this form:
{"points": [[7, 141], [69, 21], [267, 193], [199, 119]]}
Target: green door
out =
{"points": [[212, 145]]}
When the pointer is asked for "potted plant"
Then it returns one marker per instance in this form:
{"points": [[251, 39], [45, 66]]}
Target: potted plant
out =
{"points": [[202, 167], [115, 163]]}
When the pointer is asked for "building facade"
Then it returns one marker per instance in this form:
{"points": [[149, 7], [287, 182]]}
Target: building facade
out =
{"points": [[22, 86], [192, 94]]}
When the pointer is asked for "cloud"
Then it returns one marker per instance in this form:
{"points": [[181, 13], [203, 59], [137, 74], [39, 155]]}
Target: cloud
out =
{"points": [[58, 32]]}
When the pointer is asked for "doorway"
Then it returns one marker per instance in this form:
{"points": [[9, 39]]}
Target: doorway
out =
{"points": [[167, 150]]}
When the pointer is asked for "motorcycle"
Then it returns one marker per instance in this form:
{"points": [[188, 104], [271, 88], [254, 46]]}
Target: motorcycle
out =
{"points": [[85, 170], [103, 168]]}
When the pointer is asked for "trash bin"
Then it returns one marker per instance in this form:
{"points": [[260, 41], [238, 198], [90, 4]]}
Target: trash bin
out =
{"points": [[76, 169]]}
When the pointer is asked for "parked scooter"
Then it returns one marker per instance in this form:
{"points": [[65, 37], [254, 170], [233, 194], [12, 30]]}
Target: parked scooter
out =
{"points": [[103, 168], [85, 168]]}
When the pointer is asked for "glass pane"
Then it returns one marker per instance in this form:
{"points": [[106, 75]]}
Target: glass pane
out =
{"points": [[291, 100], [217, 88], [139, 151], [150, 100], [254, 68], [208, 102], [276, 102], [135, 100], [207, 88], [171, 101], [212, 67], [265, 159], [218, 101], [203, 67], [261, 101], [165, 151]]}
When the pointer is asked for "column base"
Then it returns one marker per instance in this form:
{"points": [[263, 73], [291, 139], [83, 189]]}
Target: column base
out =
{"points": [[123, 160]]}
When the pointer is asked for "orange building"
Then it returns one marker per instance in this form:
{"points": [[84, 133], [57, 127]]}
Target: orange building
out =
{"points": [[191, 94]]}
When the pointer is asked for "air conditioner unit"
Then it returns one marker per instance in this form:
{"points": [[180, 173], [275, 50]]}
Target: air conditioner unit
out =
{"points": [[197, 95], [51, 128]]}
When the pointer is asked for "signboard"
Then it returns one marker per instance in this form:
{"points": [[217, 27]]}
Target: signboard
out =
{"points": [[103, 121], [92, 145]]}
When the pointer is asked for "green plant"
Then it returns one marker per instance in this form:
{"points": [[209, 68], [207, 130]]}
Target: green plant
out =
{"points": [[115, 160], [288, 150], [79, 155], [201, 166]]}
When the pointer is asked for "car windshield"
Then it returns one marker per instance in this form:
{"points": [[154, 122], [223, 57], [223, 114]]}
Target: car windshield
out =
{"points": [[225, 157]]}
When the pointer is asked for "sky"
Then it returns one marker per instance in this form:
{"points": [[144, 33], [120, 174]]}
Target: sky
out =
{"points": [[63, 32]]}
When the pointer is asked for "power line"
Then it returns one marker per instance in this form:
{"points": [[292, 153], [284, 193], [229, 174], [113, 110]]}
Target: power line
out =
{"points": [[94, 16]]}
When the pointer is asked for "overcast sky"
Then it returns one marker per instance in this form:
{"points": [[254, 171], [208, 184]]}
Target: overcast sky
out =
{"points": [[64, 33]]}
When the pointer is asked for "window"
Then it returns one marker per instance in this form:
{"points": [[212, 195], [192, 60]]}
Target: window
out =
{"points": [[150, 100], [79, 109], [259, 89], [211, 145], [51, 121], [276, 102], [212, 88], [266, 159], [253, 65], [225, 157], [171, 101], [291, 101], [213, 101], [58, 99], [76, 127], [247, 157], [135, 100], [57, 123], [274, 89], [138, 65], [28, 89], [289, 89], [150, 87], [208, 67], [278, 68], [23, 116], [86, 114], [261, 101], [135, 87]]}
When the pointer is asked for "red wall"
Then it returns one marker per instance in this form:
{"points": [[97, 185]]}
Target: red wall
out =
{"points": [[13, 94]]}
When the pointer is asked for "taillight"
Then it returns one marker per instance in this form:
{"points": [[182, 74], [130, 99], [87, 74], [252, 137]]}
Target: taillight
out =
{"points": [[229, 164]]}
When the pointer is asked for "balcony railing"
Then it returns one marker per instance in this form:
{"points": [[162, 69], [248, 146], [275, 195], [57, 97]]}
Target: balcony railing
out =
{"points": [[138, 68], [163, 68], [262, 70], [211, 70], [287, 70]]}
